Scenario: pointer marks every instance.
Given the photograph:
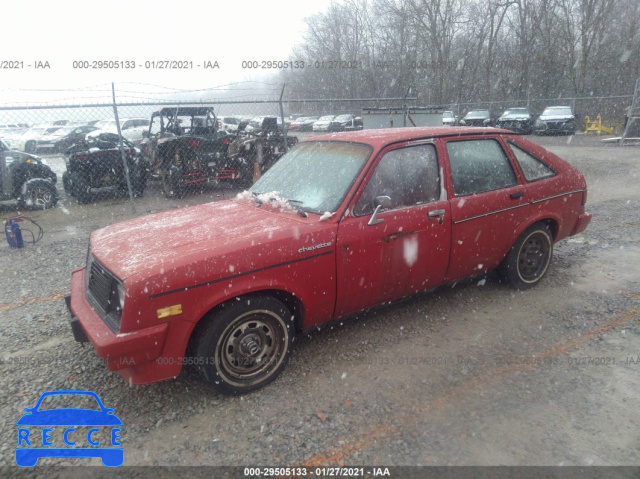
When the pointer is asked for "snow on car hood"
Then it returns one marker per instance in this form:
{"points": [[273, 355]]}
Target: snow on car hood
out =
{"points": [[221, 234]]}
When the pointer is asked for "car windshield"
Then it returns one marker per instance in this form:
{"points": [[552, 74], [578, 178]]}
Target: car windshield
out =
{"points": [[315, 176], [343, 118], [478, 114], [557, 110], [447, 114], [65, 130], [326, 118], [515, 111]]}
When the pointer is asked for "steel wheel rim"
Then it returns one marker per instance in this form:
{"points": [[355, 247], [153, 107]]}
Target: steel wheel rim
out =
{"points": [[533, 257], [252, 346]]}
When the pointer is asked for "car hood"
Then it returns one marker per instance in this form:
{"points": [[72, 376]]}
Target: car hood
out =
{"points": [[52, 137], [215, 236]]}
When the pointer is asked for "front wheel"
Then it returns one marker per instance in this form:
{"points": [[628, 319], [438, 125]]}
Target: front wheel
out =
{"points": [[245, 344], [30, 146], [39, 195], [529, 258]]}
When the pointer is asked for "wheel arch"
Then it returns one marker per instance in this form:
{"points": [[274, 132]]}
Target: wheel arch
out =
{"points": [[290, 300], [548, 220]]}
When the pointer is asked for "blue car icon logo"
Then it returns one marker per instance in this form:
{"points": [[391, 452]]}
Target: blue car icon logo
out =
{"points": [[69, 432]]}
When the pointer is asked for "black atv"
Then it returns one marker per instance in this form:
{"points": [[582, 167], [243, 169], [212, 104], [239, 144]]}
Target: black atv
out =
{"points": [[261, 143], [95, 168], [185, 149], [27, 179]]}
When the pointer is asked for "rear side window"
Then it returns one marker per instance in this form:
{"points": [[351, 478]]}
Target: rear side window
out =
{"points": [[479, 165], [409, 176], [532, 168]]}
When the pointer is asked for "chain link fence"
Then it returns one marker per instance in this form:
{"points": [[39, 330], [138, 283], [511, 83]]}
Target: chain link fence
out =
{"points": [[167, 154]]}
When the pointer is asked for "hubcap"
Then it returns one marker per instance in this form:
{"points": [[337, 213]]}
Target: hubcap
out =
{"points": [[252, 346], [533, 257]]}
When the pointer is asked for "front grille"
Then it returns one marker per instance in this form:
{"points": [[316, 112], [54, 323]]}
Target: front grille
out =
{"points": [[102, 293], [100, 285]]}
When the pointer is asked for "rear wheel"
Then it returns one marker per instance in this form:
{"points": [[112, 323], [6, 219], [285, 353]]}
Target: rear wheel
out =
{"points": [[245, 344], [529, 258], [66, 182], [172, 183]]}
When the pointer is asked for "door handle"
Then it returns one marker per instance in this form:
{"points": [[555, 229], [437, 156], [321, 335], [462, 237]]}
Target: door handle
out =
{"points": [[436, 214], [515, 196]]}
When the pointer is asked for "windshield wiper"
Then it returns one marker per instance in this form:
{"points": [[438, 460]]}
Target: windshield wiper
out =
{"points": [[298, 209], [255, 197]]}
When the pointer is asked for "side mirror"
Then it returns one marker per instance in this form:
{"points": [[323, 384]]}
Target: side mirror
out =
{"points": [[380, 202]]}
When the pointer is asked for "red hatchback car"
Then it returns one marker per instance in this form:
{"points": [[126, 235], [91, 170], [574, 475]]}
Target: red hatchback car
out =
{"points": [[341, 223]]}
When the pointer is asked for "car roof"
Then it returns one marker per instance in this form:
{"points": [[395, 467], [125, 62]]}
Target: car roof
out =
{"points": [[185, 110], [382, 137]]}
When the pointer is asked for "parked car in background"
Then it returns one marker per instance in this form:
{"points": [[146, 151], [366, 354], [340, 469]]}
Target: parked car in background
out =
{"points": [[28, 141], [323, 123], [131, 128], [8, 135], [476, 118], [95, 168], [304, 123], [63, 138], [346, 122], [519, 120], [26, 178], [449, 118], [558, 120], [228, 123], [228, 285]]}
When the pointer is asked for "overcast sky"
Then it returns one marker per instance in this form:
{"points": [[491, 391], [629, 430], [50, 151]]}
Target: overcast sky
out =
{"points": [[60, 33]]}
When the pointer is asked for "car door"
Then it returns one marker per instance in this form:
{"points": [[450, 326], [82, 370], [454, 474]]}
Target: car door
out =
{"points": [[488, 204], [399, 250]]}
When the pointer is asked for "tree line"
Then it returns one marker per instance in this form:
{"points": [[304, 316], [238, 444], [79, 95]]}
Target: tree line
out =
{"points": [[457, 51]]}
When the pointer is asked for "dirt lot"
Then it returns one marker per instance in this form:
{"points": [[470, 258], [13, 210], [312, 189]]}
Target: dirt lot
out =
{"points": [[472, 374]]}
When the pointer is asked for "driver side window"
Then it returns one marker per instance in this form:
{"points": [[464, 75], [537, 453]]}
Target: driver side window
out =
{"points": [[409, 176]]}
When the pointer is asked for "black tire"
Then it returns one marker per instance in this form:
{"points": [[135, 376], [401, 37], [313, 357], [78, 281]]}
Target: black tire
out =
{"points": [[30, 146], [172, 183], [80, 188], [39, 195], [66, 182], [529, 258], [245, 344]]}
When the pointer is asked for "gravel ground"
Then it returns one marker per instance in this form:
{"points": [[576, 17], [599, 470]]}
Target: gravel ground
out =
{"points": [[471, 374]]}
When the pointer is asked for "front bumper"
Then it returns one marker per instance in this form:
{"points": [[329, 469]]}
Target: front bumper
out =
{"points": [[119, 350]]}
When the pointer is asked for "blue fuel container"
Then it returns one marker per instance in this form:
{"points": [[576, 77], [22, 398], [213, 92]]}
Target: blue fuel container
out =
{"points": [[14, 235]]}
